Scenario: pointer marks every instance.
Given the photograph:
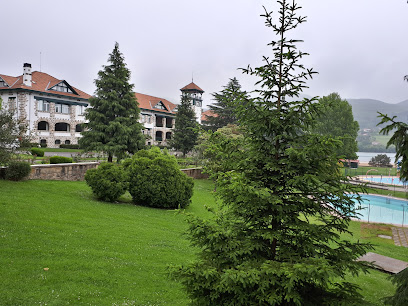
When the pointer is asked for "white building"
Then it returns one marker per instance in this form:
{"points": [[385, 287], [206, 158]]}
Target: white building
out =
{"points": [[52, 108]]}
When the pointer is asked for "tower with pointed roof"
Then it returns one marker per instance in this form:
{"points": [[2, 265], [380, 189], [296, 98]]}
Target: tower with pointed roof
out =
{"points": [[195, 95]]}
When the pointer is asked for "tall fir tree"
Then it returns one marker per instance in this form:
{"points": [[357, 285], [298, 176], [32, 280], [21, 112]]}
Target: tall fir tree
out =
{"points": [[278, 237], [113, 125], [186, 127], [223, 108]]}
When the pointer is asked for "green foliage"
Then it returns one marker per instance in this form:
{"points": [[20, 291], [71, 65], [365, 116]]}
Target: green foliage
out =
{"points": [[222, 149], [12, 134], [37, 151], [400, 298], [399, 139], [108, 181], [186, 128], [223, 108], [69, 146], [279, 237], [381, 160], [155, 180], [60, 160], [17, 170], [113, 125], [336, 119]]}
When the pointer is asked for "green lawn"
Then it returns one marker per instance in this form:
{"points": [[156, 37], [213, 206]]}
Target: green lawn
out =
{"points": [[109, 254]]}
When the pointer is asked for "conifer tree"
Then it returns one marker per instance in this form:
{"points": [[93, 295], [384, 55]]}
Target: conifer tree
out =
{"points": [[223, 108], [186, 127], [113, 125], [277, 237]]}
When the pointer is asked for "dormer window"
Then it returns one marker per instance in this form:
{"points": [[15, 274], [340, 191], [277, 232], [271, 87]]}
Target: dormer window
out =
{"points": [[160, 105], [3, 83], [62, 87]]}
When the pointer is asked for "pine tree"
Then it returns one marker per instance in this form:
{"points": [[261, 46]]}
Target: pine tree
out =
{"points": [[276, 239], [223, 108], [113, 125], [186, 127]]}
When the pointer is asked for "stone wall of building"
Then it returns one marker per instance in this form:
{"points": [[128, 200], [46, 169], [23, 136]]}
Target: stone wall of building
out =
{"points": [[61, 172]]}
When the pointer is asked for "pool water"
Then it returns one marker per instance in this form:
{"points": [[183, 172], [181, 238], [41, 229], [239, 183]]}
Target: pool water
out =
{"points": [[386, 180], [383, 209]]}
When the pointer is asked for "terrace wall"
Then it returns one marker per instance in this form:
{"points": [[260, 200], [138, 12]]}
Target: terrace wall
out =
{"points": [[61, 172]]}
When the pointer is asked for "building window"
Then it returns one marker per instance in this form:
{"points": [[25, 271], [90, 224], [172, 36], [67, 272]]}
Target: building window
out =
{"points": [[159, 121], [62, 108], [43, 143], [169, 123], [81, 110], [62, 87], [62, 127], [43, 126], [78, 128], [57, 141], [159, 136], [168, 135], [67, 141], [3, 83], [160, 105], [43, 106]]}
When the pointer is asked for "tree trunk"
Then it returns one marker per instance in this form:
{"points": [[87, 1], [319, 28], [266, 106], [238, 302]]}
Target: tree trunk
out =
{"points": [[110, 158]]}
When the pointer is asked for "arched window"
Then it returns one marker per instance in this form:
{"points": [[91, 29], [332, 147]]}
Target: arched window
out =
{"points": [[57, 141], [78, 128], [159, 136], [43, 142], [67, 141], [168, 135], [62, 127], [43, 126]]}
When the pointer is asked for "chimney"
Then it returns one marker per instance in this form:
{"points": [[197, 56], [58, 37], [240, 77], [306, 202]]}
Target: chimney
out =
{"points": [[27, 74]]}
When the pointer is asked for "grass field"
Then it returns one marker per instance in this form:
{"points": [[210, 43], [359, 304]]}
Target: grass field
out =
{"points": [[61, 246]]}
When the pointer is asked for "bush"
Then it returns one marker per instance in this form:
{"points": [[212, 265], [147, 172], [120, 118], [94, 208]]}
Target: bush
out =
{"points": [[108, 181], [381, 160], [155, 180], [37, 151], [69, 146], [60, 160], [17, 170]]}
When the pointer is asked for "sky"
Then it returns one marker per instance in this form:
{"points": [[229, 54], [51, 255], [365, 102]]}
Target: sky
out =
{"points": [[359, 47]]}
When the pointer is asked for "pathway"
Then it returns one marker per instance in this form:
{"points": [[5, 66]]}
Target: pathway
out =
{"points": [[400, 236], [385, 263]]}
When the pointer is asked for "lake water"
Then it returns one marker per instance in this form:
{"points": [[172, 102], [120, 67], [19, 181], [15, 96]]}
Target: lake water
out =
{"points": [[365, 157]]}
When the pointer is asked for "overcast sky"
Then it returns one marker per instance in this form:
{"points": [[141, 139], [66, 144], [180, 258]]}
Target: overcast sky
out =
{"points": [[359, 47]]}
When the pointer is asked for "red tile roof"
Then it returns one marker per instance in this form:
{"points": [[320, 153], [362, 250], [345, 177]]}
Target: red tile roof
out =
{"points": [[41, 82], [149, 102], [208, 113], [191, 86]]}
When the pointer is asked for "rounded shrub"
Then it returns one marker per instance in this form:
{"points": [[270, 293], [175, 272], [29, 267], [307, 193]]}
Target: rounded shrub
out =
{"points": [[17, 170], [60, 160], [37, 151], [155, 180], [108, 181]]}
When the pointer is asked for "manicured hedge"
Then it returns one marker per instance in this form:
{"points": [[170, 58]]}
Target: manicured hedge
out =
{"points": [[17, 170], [60, 160], [37, 151], [69, 146], [155, 180]]}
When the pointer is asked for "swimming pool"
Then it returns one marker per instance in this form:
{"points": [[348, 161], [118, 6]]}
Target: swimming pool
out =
{"points": [[383, 209], [385, 180]]}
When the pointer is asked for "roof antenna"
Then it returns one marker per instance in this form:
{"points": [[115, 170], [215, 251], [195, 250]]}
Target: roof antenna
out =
{"points": [[40, 62], [192, 77]]}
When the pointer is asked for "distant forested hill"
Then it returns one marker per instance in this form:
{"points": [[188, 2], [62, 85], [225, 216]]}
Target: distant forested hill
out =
{"points": [[365, 111]]}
